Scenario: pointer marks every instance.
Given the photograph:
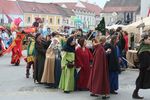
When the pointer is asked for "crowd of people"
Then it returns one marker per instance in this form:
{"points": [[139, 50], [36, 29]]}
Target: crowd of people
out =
{"points": [[72, 63]]}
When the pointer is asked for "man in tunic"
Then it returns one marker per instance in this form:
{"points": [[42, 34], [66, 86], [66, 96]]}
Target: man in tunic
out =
{"points": [[41, 46], [143, 80], [30, 56]]}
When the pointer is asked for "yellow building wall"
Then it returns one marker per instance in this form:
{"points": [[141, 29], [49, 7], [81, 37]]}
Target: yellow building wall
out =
{"points": [[26, 23], [54, 25]]}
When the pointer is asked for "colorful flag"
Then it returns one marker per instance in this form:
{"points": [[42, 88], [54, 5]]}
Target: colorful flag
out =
{"points": [[148, 14]]}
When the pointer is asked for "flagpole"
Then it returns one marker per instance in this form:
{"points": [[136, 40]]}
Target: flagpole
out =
{"points": [[2, 17]]}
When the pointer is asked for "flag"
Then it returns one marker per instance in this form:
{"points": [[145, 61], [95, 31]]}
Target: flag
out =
{"points": [[148, 14], [8, 17], [15, 24], [101, 27]]}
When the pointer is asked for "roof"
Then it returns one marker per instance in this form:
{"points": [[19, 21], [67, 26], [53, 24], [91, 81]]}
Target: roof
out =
{"points": [[64, 11], [120, 9], [41, 8], [44, 8], [121, 5], [93, 7], [9, 7], [72, 6], [86, 6]]}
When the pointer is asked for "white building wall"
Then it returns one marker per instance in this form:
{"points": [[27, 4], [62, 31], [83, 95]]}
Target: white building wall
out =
{"points": [[87, 18], [145, 5]]}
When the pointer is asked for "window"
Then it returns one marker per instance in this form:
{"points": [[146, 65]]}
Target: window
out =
{"points": [[67, 21], [58, 21], [43, 20], [51, 20], [28, 20]]}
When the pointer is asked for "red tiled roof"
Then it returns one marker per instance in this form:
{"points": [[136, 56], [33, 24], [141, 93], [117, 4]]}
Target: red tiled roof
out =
{"points": [[88, 7], [41, 8], [72, 6], [121, 6], [93, 7], [119, 9], [9, 7], [44, 8]]}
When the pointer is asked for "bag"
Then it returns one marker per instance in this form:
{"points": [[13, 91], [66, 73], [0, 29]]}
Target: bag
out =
{"points": [[70, 64]]}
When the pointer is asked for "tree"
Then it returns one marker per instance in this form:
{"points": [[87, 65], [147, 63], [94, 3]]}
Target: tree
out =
{"points": [[101, 27]]}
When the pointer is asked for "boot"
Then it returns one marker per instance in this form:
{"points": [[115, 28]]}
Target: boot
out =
{"points": [[27, 73], [135, 95]]}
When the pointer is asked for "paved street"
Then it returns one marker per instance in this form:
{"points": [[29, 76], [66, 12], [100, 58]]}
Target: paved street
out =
{"points": [[14, 86]]}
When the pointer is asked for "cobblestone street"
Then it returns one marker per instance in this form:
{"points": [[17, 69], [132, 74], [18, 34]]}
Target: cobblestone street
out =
{"points": [[14, 86]]}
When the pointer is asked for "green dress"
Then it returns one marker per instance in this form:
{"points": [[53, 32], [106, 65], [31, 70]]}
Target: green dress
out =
{"points": [[67, 76]]}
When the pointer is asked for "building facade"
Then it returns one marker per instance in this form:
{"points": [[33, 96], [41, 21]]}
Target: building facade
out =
{"points": [[53, 15], [145, 8], [87, 15], [9, 12], [121, 11]]}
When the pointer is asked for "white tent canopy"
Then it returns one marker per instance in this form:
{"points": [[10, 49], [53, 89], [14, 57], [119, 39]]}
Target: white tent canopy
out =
{"points": [[133, 27], [115, 26]]}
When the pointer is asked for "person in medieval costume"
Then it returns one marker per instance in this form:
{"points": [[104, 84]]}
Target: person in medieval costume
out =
{"points": [[143, 80], [2, 47], [17, 49], [41, 46], [30, 56], [113, 64], [37, 21], [5, 38], [52, 67], [99, 81], [67, 64], [83, 57]]}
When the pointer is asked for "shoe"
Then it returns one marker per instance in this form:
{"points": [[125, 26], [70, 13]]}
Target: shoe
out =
{"points": [[113, 92], [67, 92], [105, 97], [27, 73], [136, 96], [27, 76], [93, 95]]}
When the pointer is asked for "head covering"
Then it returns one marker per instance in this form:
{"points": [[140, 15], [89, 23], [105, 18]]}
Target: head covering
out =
{"points": [[67, 47], [37, 18]]}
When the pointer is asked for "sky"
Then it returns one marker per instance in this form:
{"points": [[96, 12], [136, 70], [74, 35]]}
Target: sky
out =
{"points": [[98, 2]]}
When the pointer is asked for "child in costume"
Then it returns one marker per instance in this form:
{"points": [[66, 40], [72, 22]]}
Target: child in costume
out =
{"points": [[30, 56]]}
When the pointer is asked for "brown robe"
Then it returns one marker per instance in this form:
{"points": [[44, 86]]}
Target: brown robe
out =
{"points": [[99, 80]]}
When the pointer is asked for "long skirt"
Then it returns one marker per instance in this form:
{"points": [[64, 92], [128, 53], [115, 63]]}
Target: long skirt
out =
{"points": [[114, 83], [143, 80], [48, 74], [67, 79], [39, 68], [57, 70]]}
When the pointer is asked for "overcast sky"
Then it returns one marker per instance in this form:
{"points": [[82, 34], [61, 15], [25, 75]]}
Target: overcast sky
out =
{"points": [[99, 2]]}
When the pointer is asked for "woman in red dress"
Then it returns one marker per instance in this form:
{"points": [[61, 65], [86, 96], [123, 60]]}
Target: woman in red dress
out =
{"points": [[99, 80], [83, 57]]}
